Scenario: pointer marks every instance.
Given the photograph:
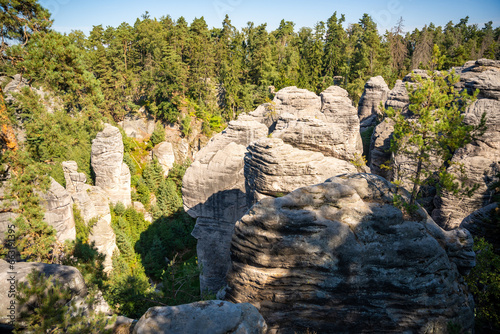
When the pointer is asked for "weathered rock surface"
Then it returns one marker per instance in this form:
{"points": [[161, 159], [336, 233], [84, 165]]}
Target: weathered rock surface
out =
{"points": [[213, 191], [93, 203], [59, 211], [164, 152], [112, 174], [481, 158], [332, 130], [339, 257], [376, 91], [380, 145], [273, 168], [69, 276], [206, 317], [481, 224], [138, 125], [398, 97]]}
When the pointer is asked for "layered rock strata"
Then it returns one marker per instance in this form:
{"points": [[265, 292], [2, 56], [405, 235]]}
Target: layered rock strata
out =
{"points": [[374, 95], [339, 257]]}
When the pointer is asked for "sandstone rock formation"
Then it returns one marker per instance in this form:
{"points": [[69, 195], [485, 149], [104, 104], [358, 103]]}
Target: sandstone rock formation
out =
{"points": [[59, 211], [213, 316], [138, 125], [380, 145], [324, 129], [273, 168], [481, 158], [164, 152], [93, 204], [339, 257], [375, 93], [69, 276], [111, 173], [213, 192], [481, 223], [332, 130]]}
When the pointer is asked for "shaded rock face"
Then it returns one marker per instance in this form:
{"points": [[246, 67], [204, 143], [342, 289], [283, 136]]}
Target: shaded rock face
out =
{"points": [[213, 191], [93, 203], [481, 224], [339, 257], [59, 211], [69, 276], [481, 158], [164, 152], [112, 174], [375, 92], [380, 145], [273, 168], [210, 317], [321, 128]]}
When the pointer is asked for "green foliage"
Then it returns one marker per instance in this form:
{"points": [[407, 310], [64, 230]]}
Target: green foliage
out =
{"points": [[484, 283], [434, 131], [158, 135], [47, 309], [83, 229], [366, 137]]}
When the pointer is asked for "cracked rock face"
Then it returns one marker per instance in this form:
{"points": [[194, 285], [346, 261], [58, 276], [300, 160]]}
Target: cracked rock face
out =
{"points": [[93, 203], [481, 158], [339, 257], [375, 92], [111, 173], [273, 168], [59, 211]]}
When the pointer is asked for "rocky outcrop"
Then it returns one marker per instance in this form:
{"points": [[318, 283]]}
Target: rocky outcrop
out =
{"points": [[483, 223], [332, 130], [375, 93], [111, 173], [214, 316], [273, 168], [480, 159], [164, 152], [398, 97], [93, 204], [322, 132], [213, 191], [339, 257], [380, 145], [138, 125], [59, 211], [70, 277]]}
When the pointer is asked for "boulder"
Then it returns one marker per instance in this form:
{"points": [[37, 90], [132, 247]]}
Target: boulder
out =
{"points": [[375, 93], [164, 152], [111, 173], [205, 317], [480, 159], [69, 276], [398, 97], [273, 168], [338, 257], [213, 191], [59, 211]]}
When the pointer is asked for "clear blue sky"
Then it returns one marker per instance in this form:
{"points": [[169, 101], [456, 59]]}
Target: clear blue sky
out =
{"points": [[82, 15]]}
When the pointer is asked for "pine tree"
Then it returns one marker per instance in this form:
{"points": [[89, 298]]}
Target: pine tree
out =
{"points": [[435, 130]]}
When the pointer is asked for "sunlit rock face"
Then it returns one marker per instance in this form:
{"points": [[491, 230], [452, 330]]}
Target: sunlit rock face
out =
{"points": [[339, 257], [111, 173], [480, 160]]}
